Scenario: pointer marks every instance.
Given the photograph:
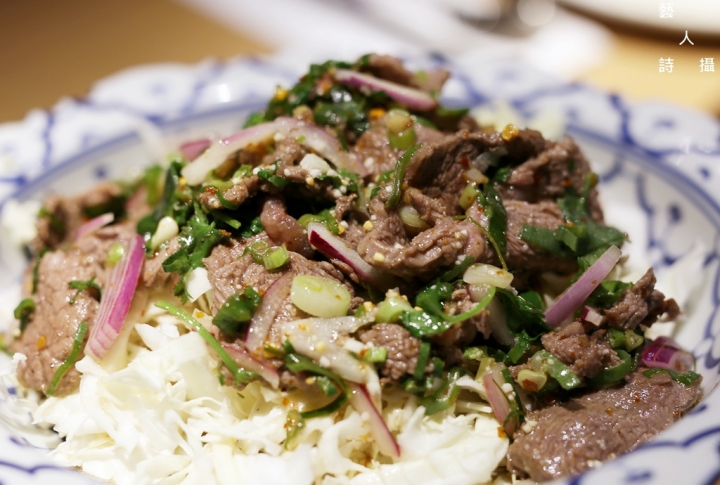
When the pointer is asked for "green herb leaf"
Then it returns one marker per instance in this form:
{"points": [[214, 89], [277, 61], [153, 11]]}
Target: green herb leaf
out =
{"points": [[255, 227], [80, 286], [270, 174], [297, 363], [36, 268], [688, 378], [446, 395], [237, 311], [24, 312], [241, 376], [197, 239], [490, 200], [70, 360], [399, 175]]}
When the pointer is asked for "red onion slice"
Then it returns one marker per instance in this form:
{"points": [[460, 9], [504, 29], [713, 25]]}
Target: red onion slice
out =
{"points": [[498, 402], [591, 315], [386, 442], [243, 358], [190, 150], [321, 141], [410, 97], [663, 353], [573, 297], [117, 297], [265, 315], [218, 152], [94, 224], [333, 247]]}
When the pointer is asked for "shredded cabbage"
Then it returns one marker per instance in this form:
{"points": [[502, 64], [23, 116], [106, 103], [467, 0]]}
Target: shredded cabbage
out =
{"points": [[165, 418]]}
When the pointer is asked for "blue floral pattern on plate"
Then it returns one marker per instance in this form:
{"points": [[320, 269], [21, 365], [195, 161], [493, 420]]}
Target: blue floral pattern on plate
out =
{"points": [[659, 166]]}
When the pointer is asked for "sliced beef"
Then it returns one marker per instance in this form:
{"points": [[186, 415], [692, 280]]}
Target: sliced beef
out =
{"points": [[438, 169], [641, 305], [402, 349], [547, 172], [230, 272], [568, 438], [282, 228], [61, 216], [586, 355], [388, 247], [48, 338], [374, 151], [373, 147], [523, 256]]}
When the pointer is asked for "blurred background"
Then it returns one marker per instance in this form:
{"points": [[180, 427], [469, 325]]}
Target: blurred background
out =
{"points": [[55, 48]]}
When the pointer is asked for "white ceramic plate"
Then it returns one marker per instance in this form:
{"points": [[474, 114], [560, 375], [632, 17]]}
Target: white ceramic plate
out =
{"points": [[695, 16], [659, 168]]}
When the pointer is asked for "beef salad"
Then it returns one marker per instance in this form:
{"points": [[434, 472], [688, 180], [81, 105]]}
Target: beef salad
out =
{"points": [[360, 286]]}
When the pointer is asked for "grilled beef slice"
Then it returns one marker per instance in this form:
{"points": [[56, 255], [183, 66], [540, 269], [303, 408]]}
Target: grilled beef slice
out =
{"points": [[568, 438]]}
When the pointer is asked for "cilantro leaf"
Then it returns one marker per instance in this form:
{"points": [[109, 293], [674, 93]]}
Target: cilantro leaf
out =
{"points": [[81, 286], [197, 239], [490, 200], [237, 311]]}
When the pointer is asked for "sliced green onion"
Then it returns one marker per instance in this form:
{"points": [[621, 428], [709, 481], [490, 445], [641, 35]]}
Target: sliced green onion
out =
{"points": [[275, 258], [411, 218], [487, 274], [544, 361], [375, 355], [234, 223], [612, 375], [115, 254], [241, 376], [403, 140], [319, 296], [71, 358], [398, 121], [257, 250], [531, 380], [468, 196], [390, 309]]}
